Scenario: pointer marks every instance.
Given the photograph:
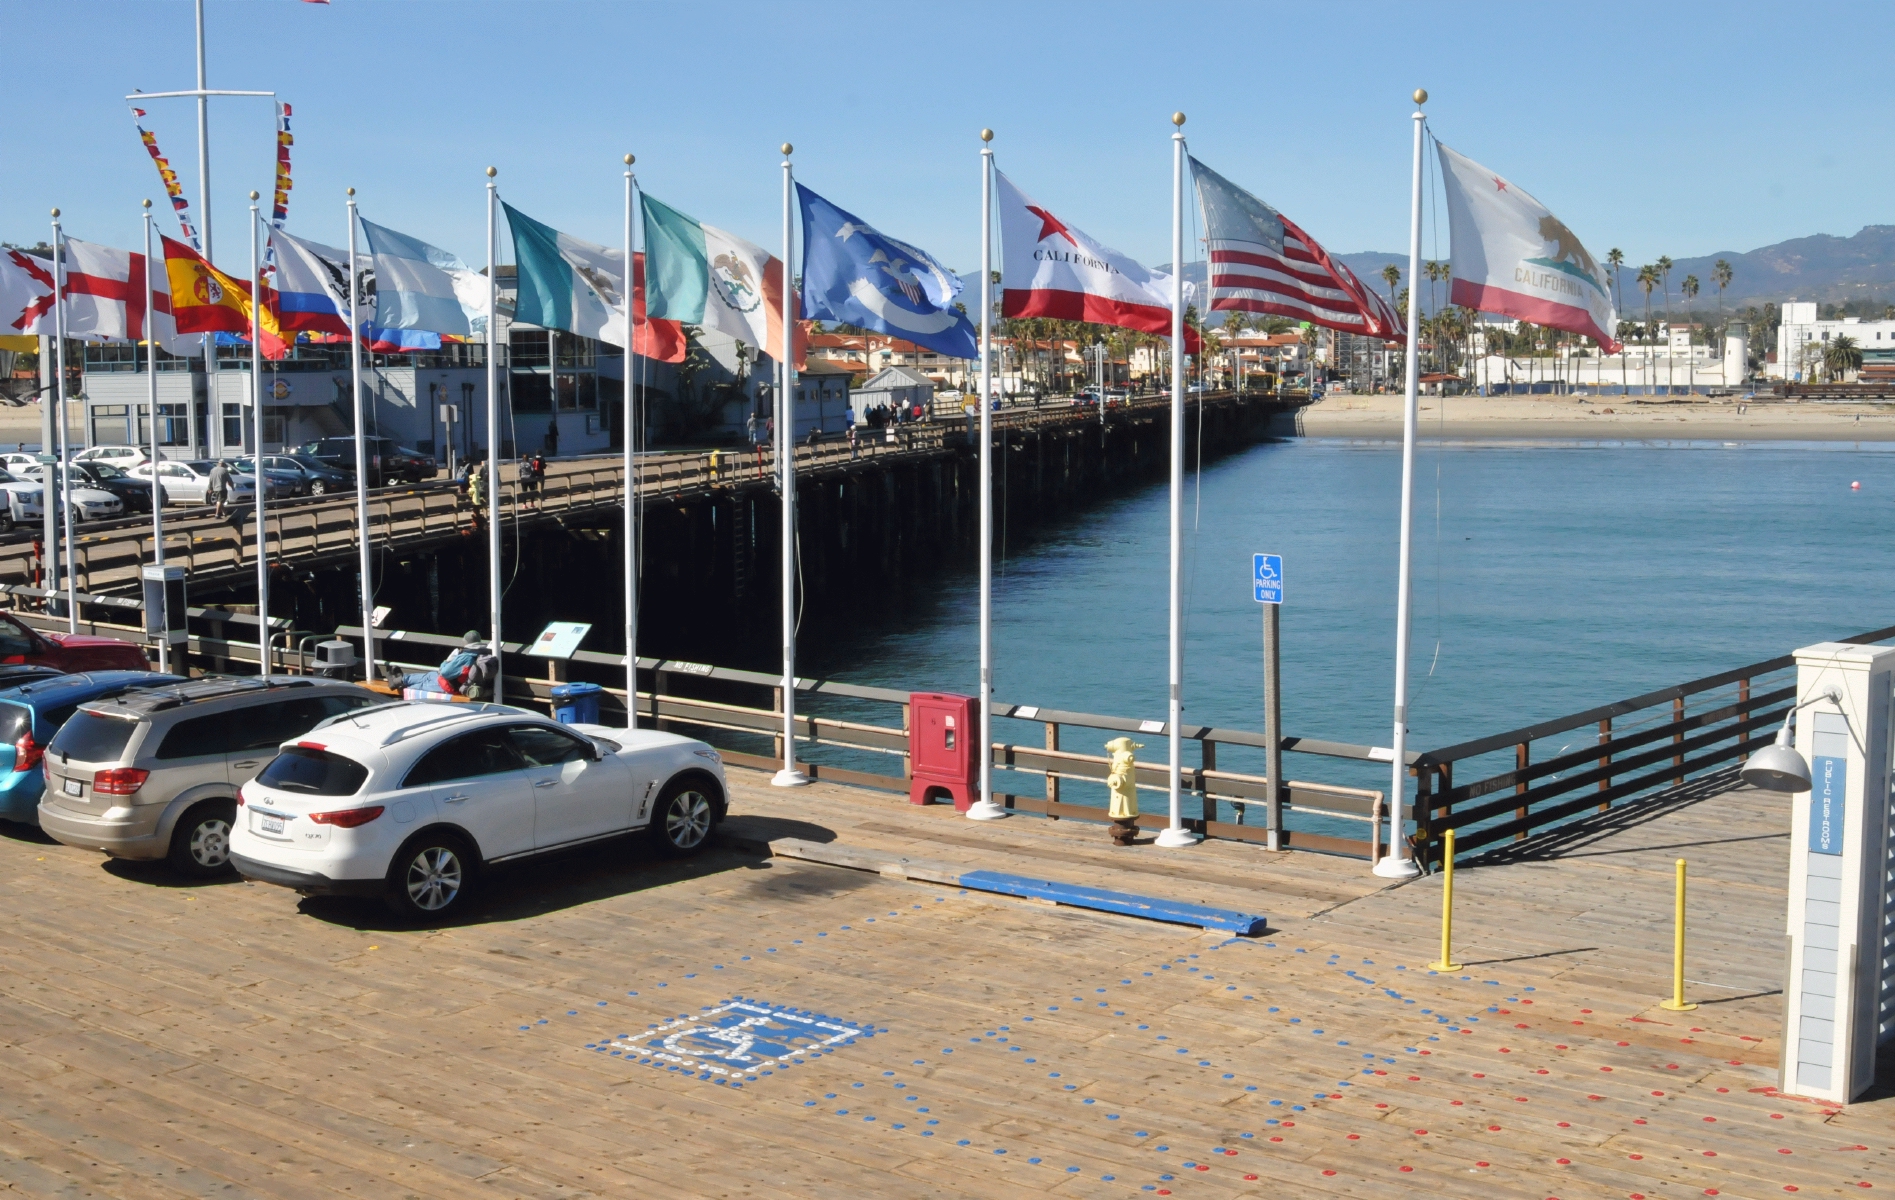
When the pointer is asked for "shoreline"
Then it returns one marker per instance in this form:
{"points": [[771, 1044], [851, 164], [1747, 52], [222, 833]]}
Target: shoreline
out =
{"points": [[1607, 418]]}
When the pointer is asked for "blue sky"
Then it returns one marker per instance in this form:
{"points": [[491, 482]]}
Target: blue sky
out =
{"points": [[1660, 128]]}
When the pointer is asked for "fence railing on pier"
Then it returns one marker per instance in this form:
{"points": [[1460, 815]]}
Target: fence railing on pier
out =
{"points": [[1606, 755]]}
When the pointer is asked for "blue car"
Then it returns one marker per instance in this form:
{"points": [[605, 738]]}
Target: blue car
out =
{"points": [[32, 712]]}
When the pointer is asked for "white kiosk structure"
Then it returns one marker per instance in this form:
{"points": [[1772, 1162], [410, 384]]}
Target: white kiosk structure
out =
{"points": [[1839, 996]]}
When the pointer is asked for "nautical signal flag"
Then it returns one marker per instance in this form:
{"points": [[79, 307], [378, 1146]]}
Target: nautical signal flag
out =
{"points": [[1513, 257], [205, 300]]}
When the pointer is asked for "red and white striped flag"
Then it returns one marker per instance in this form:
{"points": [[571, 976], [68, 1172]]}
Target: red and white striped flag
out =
{"points": [[1262, 263]]}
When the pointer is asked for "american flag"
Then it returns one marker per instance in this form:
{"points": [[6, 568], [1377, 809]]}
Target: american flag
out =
{"points": [[1262, 263]]}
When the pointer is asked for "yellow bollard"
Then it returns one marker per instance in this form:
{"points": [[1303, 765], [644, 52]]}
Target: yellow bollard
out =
{"points": [[1676, 1003], [1447, 962]]}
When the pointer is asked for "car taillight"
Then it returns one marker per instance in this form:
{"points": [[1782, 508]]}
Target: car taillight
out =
{"points": [[27, 753], [347, 818], [119, 781]]}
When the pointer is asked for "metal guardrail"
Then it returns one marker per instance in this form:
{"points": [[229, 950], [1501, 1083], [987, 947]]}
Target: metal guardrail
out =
{"points": [[1628, 750]]}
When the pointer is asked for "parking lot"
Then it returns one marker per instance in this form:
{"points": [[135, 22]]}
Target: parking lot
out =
{"points": [[748, 1025]]}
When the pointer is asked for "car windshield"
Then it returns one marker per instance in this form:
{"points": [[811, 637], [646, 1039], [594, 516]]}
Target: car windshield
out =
{"points": [[93, 737], [307, 463], [104, 470], [313, 771]]}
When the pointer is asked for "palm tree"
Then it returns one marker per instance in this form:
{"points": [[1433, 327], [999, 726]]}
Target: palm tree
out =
{"points": [[1689, 290], [1647, 280], [1840, 357], [1615, 258], [1664, 265], [1721, 276]]}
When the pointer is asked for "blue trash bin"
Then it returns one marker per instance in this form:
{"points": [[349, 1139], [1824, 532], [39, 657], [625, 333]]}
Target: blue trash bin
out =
{"points": [[576, 703]]}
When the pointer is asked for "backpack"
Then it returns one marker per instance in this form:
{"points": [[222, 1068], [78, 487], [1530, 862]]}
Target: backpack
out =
{"points": [[481, 676]]}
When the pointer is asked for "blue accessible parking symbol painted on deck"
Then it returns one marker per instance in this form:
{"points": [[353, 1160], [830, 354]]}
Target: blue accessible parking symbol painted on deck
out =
{"points": [[740, 1038], [1266, 578]]}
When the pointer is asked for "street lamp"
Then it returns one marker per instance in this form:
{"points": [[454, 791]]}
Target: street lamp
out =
{"points": [[1778, 767]]}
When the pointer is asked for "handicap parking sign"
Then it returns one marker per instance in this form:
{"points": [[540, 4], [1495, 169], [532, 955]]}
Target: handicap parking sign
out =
{"points": [[1266, 578]]}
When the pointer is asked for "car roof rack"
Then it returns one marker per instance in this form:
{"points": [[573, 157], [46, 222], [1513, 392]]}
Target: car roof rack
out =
{"points": [[159, 699]]}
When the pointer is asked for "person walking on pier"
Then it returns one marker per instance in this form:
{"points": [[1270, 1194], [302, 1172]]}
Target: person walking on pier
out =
{"points": [[218, 486]]}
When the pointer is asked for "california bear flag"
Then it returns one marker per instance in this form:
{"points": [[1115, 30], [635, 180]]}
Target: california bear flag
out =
{"points": [[1513, 257]]}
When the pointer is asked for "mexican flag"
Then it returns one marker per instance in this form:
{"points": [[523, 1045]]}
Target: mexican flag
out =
{"points": [[579, 287], [700, 275]]}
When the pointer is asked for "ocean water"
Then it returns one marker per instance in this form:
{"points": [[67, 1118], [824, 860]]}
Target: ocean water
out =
{"points": [[1549, 577]]}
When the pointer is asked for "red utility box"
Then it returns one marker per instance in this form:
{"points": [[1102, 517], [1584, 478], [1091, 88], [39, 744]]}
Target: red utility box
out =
{"points": [[943, 743]]}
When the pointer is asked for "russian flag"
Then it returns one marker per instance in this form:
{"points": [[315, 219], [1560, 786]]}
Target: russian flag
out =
{"points": [[312, 285]]}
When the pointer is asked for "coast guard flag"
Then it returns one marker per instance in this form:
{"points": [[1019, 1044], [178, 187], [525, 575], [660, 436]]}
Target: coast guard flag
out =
{"points": [[855, 274], [1054, 270], [419, 286], [1262, 263], [1512, 256]]}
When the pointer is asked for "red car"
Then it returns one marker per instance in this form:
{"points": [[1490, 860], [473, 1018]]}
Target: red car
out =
{"points": [[67, 651]]}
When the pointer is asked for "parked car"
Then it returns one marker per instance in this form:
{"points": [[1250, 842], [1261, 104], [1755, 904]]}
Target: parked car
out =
{"points": [[117, 456], [284, 481], [88, 501], [319, 478], [25, 501], [66, 651], [133, 494], [154, 774], [411, 801], [32, 712], [190, 482], [387, 461], [17, 460]]}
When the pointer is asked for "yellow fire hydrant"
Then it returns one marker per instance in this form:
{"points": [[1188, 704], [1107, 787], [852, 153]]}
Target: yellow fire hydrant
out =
{"points": [[1121, 780]]}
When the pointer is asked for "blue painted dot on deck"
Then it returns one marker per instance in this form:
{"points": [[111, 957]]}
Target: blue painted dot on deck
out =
{"points": [[918, 1062], [1053, 1074], [829, 1096], [1141, 1133], [1230, 1077], [898, 1125], [855, 1085], [572, 1012], [1034, 1161], [1296, 1020], [1276, 1102], [1072, 1170], [927, 1133], [1230, 987], [1072, 1087], [1147, 974], [947, 1050], [1247, 1135], [1163, 1037], [1033, 1060], [1144, 1027], [1108, 1178], [1052, 1008], [924, 1109], [526, 1027], [1165, 1178], [809, 1104], [1088, 1100], [1161, 1149], [868, 1118], [842, 1112], [1296, 1108], [997, 1150], [1119, 1013], [1250, 1087], [1111, 1116]]}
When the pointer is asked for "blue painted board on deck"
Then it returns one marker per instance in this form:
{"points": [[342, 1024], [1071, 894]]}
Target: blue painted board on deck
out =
{"points": [[1128, 903]]}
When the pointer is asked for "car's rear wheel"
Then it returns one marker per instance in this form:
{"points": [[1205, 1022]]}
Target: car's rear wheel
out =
{"points": [[431, 877], [686, 813], [200, 845]]}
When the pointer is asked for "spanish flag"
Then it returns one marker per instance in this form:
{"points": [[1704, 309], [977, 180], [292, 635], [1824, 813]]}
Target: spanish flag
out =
{"points": [[205, 300]]}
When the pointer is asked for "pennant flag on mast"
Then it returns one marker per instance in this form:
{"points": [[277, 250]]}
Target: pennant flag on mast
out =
{"points": [[280, 204], [855, 274], [168, 177], [1262, 263], [1513, 257], [1053, 270], [700, 275]]}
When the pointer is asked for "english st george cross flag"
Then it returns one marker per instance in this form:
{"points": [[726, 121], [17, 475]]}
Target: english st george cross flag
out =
{"points": [[1054, 270], [1262, 263], [1513, 257]]}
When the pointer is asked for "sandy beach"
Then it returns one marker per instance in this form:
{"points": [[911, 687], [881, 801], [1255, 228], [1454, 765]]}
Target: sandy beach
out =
{"points": [[1613, 418]]}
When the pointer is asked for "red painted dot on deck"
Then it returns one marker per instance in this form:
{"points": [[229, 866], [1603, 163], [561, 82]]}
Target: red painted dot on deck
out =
{"points": [[1480, 1164], [1329, 1172], [1381, 1106], [1863, 1183], [1638, 1196], [1657, 1093], [1564, 1162], [1585, 1010], [1671, 1066], [1625, 1043], [1250, 1177], [1421, 1133], [1230, 1154], [1520, 1099], [1735, 1062], [1276, 1139], [1479, 1075], [1789, 1187], [1561, 1047], [1455, 1103], [1164, 1191], [1638, 1120], [1605, 1068], [1776, 1116], [1202, 1167], [1782, 1151], [1411, 1078], [1635, 1157], [1381, 1072], [1710, 1154], [1710, 1118], [1355, 1137], [1723, 1089], [1520, 1026], [1541, 1071], [1469, 1032], [1289, 1124], [1526, 1001], [1591, 1097], [1504, 1050], [1407, 1168], [1427, 1052], [1493, 1129], [1565, 1125]]}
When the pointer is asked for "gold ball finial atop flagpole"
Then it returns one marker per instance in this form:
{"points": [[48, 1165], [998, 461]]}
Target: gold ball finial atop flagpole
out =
{"points": [[1177, 119], [630, 159], [786, 149], [55, 214], [491, 172], [351, 191], [1421, 95], [147, 202], [253, 195], [986, 135]]}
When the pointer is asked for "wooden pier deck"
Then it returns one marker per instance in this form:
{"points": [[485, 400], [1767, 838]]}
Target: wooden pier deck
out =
{"points": [[159, 1040]]}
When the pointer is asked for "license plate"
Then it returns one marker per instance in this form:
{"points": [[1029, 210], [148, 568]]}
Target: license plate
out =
{"points": [[273, 824], [74, 788]]}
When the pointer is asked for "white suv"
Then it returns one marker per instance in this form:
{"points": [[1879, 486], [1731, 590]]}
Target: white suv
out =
{"points": [[408, 801]]}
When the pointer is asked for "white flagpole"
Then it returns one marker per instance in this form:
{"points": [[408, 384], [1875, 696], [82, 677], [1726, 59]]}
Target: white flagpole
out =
{"points": [[1396, 864], [984, 808], [55, 493], [151, 396], [789, 776], [631, 468], [256, 416], [493, 439], [1176, 834], [364, 560]]}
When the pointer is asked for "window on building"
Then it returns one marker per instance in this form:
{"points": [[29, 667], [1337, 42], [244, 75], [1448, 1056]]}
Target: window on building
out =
{"points": [[233, 426], [111, 425], [174, 425]]}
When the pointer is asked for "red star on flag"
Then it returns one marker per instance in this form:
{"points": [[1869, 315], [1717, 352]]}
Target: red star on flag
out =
{"points": [[1500, 183], [1050, 224]]}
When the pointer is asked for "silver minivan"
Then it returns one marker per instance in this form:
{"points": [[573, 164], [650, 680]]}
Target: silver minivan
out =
{"points": [[155, 774]]}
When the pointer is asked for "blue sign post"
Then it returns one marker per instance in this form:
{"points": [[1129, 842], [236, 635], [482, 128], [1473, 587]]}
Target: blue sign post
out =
{"points": [[1266, 577]]}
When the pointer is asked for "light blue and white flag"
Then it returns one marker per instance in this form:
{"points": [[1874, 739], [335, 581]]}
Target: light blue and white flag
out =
{"points": [[418, 286]]}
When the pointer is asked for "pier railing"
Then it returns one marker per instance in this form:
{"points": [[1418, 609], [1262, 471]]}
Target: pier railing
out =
{"points": [[1556, 771]]}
